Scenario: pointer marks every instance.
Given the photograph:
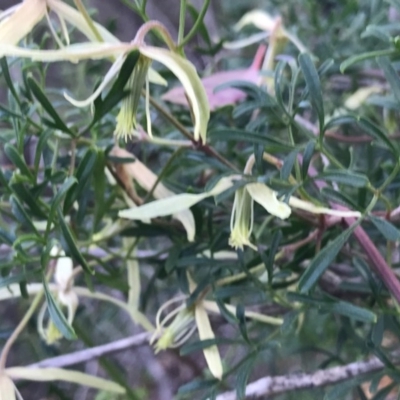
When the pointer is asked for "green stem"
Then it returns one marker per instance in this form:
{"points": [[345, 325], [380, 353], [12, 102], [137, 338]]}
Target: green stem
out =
{"points": [[196, 25], [7, 347], [182, 15], [162, 173], [88, 20]]}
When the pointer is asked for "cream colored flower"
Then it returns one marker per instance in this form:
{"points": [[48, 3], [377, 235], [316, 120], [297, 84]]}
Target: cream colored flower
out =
{"points": [[179, 325], [19, 21]]}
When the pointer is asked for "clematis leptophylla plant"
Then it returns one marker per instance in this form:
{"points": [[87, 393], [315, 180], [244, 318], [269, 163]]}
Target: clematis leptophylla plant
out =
{"points": [[17, 22], [179, 325], [242, 211]]}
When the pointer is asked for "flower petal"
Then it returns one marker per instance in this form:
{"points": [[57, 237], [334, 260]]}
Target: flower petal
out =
{"points": [[191, 82], [59, 374], [22, 21], [146, 179], [7, 389], [75, 18], [307, 206], [72, 53], [259, 19], [175, 204], [267, 198], [108, 77], [211, 353]]}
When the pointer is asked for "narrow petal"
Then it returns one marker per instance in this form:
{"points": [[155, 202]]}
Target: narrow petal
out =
{"points": [[225, 96], [59, 374], [156, 78], [307, 206], [267, 198], [112, 72], [7, 389], [191, 82], [163, 207], [72, 53], [146, 179], [238, 44], [211, 353], [259, 19], [360, 96], [75, 18], [176, 203], [22, 21], [213, 307]]}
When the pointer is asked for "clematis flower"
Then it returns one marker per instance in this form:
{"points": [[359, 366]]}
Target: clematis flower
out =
{"points": [[146, 179], [242, 211], [19, 21], [180, 324]]}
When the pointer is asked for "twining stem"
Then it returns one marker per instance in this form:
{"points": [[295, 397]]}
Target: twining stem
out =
{"points": [[202, 147], [196, 25], [182, 17], [17, 331], [89, 21]]}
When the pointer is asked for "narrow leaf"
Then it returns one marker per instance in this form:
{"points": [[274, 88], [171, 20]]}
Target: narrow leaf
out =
{"points": [[322, 260], [391, 76], [57, 315], [388, 230], [70, 247], [14, 156], [346, 177], [46, 104], [314, 86]]}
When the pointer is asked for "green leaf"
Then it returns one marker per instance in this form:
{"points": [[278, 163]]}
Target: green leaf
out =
{"points": [[8, 79], [338, 197], [57, 315], [14, 156], [388, 230], [197, 384], [21, 215], [391, 76], [237, 135], [26, 195], [369, 128], [204, 344], [99, 184], [46, 104], [69, 245], [6, 237], [288, 163], [339, 391], [308, 153], [42, 142], [323, 259], [82, 174], [117, 91], [353, 312], [365, 56], [273, 249], [243, 376], [346, 177], [314, 86], [62, 191]]}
